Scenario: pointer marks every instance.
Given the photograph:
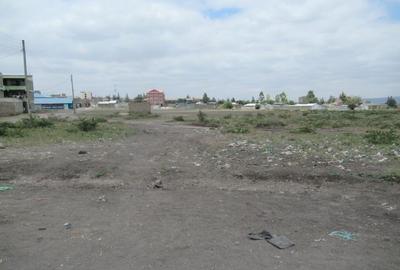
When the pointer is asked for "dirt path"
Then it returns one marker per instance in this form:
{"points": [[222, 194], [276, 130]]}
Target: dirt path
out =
{"points": [[214, 194]]}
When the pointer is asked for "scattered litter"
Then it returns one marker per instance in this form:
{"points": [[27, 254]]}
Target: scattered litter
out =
{"points": [[280, 242], [4, 187], [67, 226], [158, 184], [345, 235], [388, 207], [82, 152], [196, 164], [264, 235], [42, 229], [102, 198]]}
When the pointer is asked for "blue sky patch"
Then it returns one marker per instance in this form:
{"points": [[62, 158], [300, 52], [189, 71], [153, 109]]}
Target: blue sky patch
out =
{"points": [[223, 13]]}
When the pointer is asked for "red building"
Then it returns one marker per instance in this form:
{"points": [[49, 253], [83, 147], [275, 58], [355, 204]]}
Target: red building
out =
{"points": [[155, 97]]}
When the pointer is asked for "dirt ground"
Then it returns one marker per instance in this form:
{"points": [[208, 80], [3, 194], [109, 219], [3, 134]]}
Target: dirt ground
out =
{"points": [[216, 190]]}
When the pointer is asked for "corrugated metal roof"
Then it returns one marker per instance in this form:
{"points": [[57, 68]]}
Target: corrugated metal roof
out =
{"points": [[52, 100]]}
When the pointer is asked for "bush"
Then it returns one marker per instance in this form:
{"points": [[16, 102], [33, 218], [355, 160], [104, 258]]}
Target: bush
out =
{"points": [[202, 117], [179, 118], [34, 122], [87, 124], [381, 136], [228, 105]]}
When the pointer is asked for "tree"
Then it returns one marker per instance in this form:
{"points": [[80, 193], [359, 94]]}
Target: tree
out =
{"points": [[281, 98], [331, 100], [292, 102], [321, 101], [261, 96], [205, 99], [139, 98], [253, 100], [391, 102], [310, 97], [126, 98], [353, 102], [213, 99], [233, 100], [343, 98]]}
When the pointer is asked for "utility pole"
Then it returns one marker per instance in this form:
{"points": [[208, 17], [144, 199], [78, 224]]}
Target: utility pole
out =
{"points": [[73, 94], [26, 79]]}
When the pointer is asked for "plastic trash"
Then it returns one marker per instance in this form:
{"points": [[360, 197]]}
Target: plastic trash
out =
{"points": [[344, 235], [4, 187]]}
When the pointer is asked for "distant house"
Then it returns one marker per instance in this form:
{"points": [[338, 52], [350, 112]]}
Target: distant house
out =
{"points": [[156, 97], [52, 103], [308, 106], [107, 104]]}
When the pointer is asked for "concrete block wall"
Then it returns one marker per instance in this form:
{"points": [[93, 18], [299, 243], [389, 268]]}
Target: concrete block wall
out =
{"points": [[11, 106], [139, 107]]}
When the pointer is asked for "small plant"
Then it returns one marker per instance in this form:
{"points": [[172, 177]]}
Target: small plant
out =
{"points": [[202, 117], [179, 118], [86, 125], [100, 173], [229, 116], [381, 136]]}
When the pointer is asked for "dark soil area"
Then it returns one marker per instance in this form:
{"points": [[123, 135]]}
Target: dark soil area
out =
{"points": [[216, 188]]}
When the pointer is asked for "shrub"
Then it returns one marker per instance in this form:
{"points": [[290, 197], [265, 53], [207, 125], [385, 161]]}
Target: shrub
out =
{"points": [[179, 118], [202, 117], [228, 105], [34, 122], [381, 136], [229, 116], [87, 124]]}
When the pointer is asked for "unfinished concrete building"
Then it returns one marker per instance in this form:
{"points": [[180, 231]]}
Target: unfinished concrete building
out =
{"points": [[15, 89]]}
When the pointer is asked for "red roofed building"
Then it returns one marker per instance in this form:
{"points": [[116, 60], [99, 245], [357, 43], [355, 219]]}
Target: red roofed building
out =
{"points": [[155, 97]]}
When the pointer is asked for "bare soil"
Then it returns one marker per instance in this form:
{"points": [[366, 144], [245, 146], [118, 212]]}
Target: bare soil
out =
{"points": [[216, 190]]}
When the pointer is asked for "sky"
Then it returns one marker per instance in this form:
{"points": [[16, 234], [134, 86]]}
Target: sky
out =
{"points": [[222, 47]]}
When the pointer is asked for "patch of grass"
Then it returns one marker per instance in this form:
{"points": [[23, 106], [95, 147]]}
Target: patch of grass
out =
{"points": [[235, 128], [179, 118], [381, 136], [141, 115], [304, 130], [391, 176], [34, 122], [61, 132], [269, 123]]}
